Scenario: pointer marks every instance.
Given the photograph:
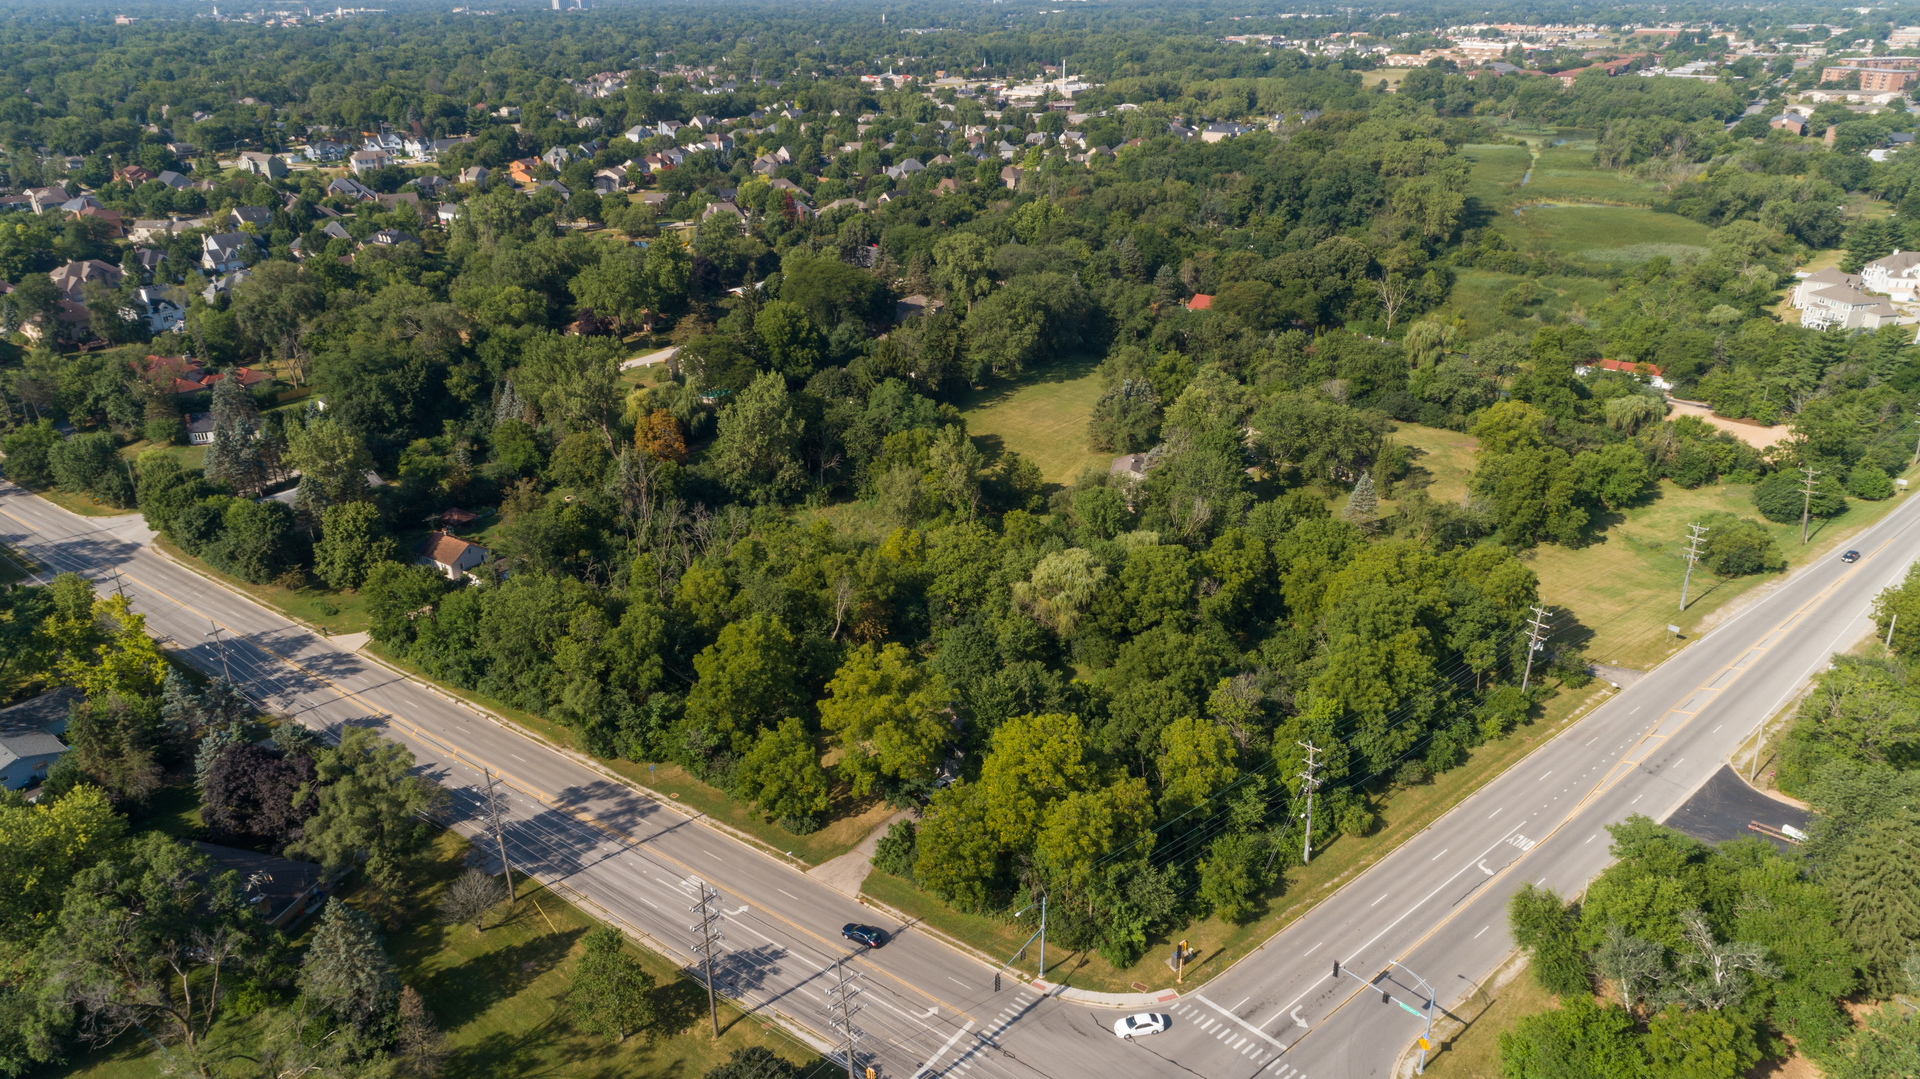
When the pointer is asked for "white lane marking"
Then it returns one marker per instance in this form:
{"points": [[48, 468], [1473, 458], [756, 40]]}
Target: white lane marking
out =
{"points": [[1591, 741], [1495, 813], [1311, 950], [1483, 929], [1677, 763], [516, 756], [1243, 1000], [1436, 857], [1443, 885], [1239, 1043], [1379, 901], [1636, 709], [1591, 838], [1716, 730], [1249, 1027], [1543, 778], [960, 983], [1636, 798], [788, 894], [928, 1066]]}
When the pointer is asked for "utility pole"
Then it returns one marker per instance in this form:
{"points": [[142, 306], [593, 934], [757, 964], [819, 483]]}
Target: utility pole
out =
{"points": [[1892, 622], [1536, 640], [1693, 555], [1806, 502], [1309, 784], [496, 812], [1916, 446], [117, 586], [215, 634], [708, 909], [841, 1009], [1426, 1040]]}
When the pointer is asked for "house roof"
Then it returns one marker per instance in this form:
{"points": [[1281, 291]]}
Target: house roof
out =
{"points": [[272, 881], [1629, 368], [47, 712], [444, 549], [1200, 302], [199, 423], [1897, 262], [1841, 294]]}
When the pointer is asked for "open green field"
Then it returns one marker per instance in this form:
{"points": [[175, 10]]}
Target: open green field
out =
{"points": [[1566, 172], [1042, 415], [499, 997], [1624, 589], [1444, 460], [1496, 173], [1476, 295], [1605, 233]]}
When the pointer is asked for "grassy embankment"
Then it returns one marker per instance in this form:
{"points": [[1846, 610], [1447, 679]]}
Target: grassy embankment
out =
{"points": [[499, 997]]}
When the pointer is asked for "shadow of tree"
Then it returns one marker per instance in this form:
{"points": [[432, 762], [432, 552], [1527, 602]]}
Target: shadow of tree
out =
{"points": [[464, 992]]}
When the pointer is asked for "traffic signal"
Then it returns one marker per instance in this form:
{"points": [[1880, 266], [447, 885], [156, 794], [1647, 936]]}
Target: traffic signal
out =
{"points": [[1384, 998], [996, 981], [1336, 968]]}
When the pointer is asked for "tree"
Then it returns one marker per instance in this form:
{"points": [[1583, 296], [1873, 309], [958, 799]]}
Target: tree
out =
{"points": [[1888, 1047], [1578, 1040], [610, 996], [43, 846], [1085, 829], [368, 809], [757, 451], [152, 939], [234, 456], [1875, 883], [747, 678], [953, 464], [347, 972], [578, 379], [1197, 759], [1737, 546], [889, 716], [792, 342], [27, 448], [332, 461], [250, 791], [419, 1042], [353, 540], [1062, 587], [1034, 760], [963, 265], [1543, 927], [1701, 1045], [1362, 504], [1781, 496], [1633, 964], [782, 776], [660, 438], [957, 847], [471, 895], [1125, 418]]}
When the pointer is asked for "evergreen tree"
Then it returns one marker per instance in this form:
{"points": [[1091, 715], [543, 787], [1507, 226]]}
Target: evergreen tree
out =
{"points": [[1868, 241], [180, 705], [611, 995], [347, 972], [1167, 284], [234, 457], [1363, 504], [1131, 266], [1875, 882]]}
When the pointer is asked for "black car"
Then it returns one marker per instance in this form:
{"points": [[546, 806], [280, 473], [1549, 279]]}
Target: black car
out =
{"points": [[871, 936], [1850, 556]]}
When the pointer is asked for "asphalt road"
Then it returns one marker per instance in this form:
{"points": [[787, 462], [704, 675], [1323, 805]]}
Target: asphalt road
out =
{"points": [[1434, 905]]}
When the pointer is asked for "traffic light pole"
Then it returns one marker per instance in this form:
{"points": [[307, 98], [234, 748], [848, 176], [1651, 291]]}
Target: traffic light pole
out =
{"points": [[1426, 1040]]}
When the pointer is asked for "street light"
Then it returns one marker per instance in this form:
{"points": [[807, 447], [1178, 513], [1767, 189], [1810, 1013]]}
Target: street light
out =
{"points": [[215, 634], [1042, 934], [1426, 1040]]}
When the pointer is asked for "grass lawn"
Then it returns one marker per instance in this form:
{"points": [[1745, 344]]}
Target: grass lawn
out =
{"points": [[1604, 233], [14, 566], [1624, 589], [1446, 457], [1496, 173], [1476, 295], [188, 456], [1566, 172], [1406, 812], [1469, 1039], [1042, 415], [84, 505], [849, 822], [499, 997], [333, 612]]}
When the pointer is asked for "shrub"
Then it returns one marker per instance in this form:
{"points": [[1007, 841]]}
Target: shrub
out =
{"points": [[895, 853], [1780, 497], [1869, 483]]}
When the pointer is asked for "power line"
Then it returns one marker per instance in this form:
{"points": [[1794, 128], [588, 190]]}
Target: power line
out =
{"points": [[708, 942], [841, 1009], [1536, 639], [1693, 555], [1308, 784]]}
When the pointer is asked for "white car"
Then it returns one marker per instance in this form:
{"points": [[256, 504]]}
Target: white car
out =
{"points": [[1134, 1026]]}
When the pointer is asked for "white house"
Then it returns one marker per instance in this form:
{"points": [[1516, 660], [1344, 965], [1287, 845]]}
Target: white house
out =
{"points": [[365, 161], [29, 737], [1848, 308], [450, 555], [158, 307], [222, 253], [271, 166], [1820, 279], [199, 428], [1897, 275]]}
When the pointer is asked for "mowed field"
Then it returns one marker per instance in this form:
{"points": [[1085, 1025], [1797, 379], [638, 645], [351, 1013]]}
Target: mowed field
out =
{"points": [[1042, 415]]}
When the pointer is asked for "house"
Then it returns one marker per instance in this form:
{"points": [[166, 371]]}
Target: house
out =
{"points": [[393, 238], [43, 199], [281, 890], [323, 151], [447, 211], [1820, 279], [1897, 275], [450, 555], [173, 179], [149, 260], [199, 428], [1789, 121], [72, 278], [224, 286], [111, 218], [223, 253], [476, 174], [349, 188], [557, 158], [1218, 132], [1656, 377], [1132, 466], [182, 150], [1200, 302], [1010, 176], [399, 198], [365, 161], [430, 186], [554, 186], [30, 736], [607, 181], [132, 175], [159, 307], [271, 166], [258, 216], [148, 229], [947, 186], [722, 208], [916, 305], [638, 133]]}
